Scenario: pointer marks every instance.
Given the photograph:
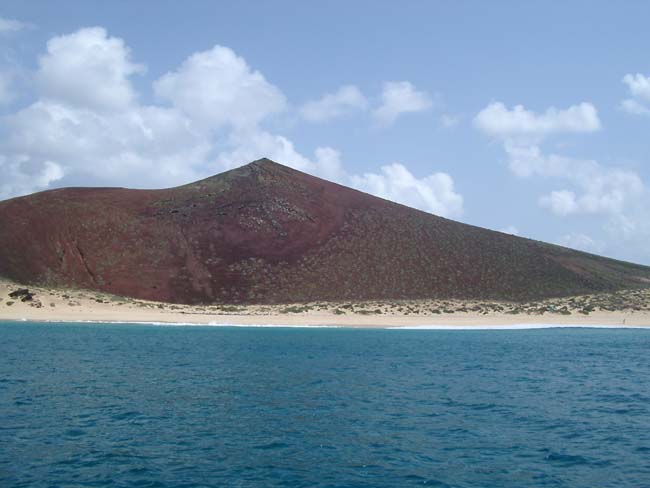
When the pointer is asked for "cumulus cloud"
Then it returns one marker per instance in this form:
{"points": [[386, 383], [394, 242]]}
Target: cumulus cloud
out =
{"points": [[400, 97], [8, 26], [561, 202], [218, 88], [499, 121], [639, 85], [21, 177], [89, 70], [141, 146], [605, 190], [601, 189], [345, 100], [639, 88], [88, 124], [434, 193], [589, 187], [634, 107], [88, 127]]}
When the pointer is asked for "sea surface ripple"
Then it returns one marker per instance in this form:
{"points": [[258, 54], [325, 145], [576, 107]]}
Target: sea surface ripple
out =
{"points": [[152, 406]]}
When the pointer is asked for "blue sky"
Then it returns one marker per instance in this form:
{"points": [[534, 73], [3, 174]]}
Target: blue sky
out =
{"points": [[412, 101]]}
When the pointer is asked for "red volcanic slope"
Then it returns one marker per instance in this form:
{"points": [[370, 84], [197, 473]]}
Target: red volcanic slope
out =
{"points": [[265, 233]]}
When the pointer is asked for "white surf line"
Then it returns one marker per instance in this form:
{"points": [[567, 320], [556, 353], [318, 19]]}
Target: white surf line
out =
{"points": [[177, 324], [522, 326], [516, 327]]}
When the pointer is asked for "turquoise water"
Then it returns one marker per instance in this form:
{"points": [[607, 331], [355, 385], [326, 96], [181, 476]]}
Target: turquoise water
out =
{"points": [[134, 405]]}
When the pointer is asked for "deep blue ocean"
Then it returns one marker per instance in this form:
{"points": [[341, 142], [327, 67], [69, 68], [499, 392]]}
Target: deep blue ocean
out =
{"points": [[162, 406]]}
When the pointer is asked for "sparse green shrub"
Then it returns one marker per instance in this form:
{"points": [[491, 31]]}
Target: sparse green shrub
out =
{"points": [[295, 309], [230, 308], [364, 312]]}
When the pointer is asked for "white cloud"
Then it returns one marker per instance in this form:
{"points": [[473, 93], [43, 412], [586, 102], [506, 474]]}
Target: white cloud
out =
{"points": [[88, 69], [639, 87], [87, 127], [526, 160], [142, 146], [93, 130], [561, 202], [434, 193], [218, 88], [345, 100], [8, 26], [631, 231], [602, 189], [400, 97], [605, 191], [591, 188], [498, 121], [49, 173], [633, 107], [20, 177]]}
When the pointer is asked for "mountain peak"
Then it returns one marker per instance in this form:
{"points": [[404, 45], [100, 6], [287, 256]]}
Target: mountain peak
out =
{"points": [[258, 167], [246, 171], [267, 165], [264, 162]]}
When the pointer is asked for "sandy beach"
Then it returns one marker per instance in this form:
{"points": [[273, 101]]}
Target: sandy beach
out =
{"points": [[59, 305]]}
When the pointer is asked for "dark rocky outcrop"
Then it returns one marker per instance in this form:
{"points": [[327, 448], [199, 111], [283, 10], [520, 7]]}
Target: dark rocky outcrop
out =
{"points": [[22, 293]]}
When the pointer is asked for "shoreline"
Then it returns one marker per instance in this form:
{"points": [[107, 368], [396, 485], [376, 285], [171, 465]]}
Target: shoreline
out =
{"points": [[83, 306], [91, 314], [477, 326]]}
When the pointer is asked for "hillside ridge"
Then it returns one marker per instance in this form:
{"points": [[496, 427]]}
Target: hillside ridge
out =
{"points": [[266, 233]]}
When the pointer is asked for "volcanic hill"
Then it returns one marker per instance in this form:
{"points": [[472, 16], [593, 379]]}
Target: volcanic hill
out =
{"points": [[265, 233]]}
